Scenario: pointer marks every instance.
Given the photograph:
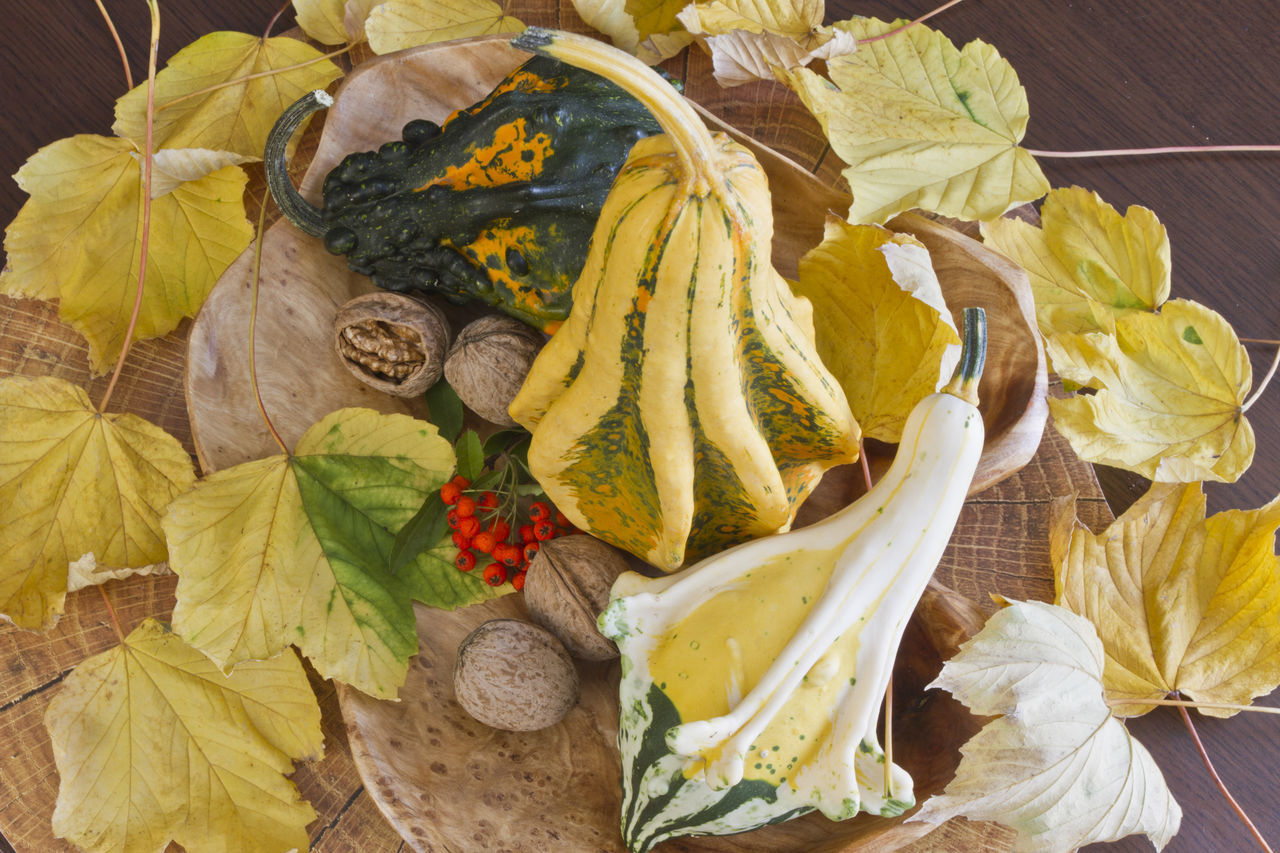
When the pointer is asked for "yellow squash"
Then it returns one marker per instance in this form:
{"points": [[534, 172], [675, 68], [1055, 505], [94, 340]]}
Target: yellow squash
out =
{"points": [[682, 407]]}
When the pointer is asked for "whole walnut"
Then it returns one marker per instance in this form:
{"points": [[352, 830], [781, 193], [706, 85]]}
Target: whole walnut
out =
{"points": [[513, 675], [488, 362], [566, 587]]}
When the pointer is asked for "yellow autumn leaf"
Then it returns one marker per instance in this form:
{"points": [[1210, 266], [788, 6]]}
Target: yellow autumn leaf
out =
{"points": [[797, 20], [883, 327], [655, 17], [78, 237], [76, 483], [153, 744], [217, 116], [751, 53], [1053, 763], [1170, 389], [1088, 264], [1182, 602], [295, 550], [334, 21], [611, 18], [924, 124], [399, 24]]}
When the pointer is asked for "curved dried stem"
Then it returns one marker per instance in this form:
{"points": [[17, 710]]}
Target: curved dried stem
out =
{"points": [[115, 36], [111, 611], [1168, 149], [255, 277], [145, 242], [920, 20], [1235, 806], [1189, 703], [271, 24], [1262, 386]]}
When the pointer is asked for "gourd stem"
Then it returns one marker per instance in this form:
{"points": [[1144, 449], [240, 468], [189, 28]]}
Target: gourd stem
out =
{"points": [[679, 121], [306, 216], [973, 356]]}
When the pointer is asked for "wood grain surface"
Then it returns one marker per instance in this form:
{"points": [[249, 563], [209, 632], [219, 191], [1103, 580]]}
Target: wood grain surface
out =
{"points": [[1098, 75]]}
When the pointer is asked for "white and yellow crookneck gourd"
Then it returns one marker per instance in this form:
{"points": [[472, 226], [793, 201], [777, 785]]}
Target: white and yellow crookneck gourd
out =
{"points": [[683, 406], [752, 681]]}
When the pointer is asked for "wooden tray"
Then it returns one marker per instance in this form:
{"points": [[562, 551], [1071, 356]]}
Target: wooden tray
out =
{"points": [[442, 780]]}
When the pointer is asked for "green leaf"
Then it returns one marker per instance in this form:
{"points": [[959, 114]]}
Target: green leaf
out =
{"points": [[445, 410], [470, 455], [425, 530]]}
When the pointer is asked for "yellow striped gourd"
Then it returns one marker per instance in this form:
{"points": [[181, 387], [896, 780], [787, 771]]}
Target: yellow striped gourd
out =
{"points": [[682, 407]]}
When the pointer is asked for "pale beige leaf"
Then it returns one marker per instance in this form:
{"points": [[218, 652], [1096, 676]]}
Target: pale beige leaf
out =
{"points": [[610, 18], [224, 91], [1182, 603], [153, 744], [1055, 764], [76, 483], [173, 167], [399, 24], [86, 572], [923, 124], [1169, 394]]}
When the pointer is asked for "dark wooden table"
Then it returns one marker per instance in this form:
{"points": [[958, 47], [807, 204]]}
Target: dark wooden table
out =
{"points": [[1098, 75]]}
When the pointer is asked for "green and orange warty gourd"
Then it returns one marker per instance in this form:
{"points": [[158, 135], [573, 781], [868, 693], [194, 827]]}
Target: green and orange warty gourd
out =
{"points": [[682, 407]]}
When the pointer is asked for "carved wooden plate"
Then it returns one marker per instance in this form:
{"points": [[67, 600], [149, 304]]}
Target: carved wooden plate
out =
{"points": [[444, 781]]}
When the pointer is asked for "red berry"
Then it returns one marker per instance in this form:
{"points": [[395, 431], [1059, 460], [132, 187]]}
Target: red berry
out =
{"points": [[452, 519], [466, 506], [461, 482], [517, 580], [562, 520], [484, 541], [544, 530], [449, 493], [495, 574], [465, 561], [526, 533], [539, 511], [531, 551], [501, 530], [488, 500], [460, 540], [507, 554], [469, 525]]}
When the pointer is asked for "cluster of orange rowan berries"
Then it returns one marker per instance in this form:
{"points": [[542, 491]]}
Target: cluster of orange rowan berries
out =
{"points": [[479, 527]]}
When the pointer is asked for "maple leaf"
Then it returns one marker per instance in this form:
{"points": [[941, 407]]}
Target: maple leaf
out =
{"points": [[221, 117], [1087, 263], [1170, 393], [1182, 603], [611, 18], [78, 236], [399, 24], [334, 21], [655, 17], [1056, 765], [75, 483], [883, 327], [154, 745], [923, 124], [296, 549]]}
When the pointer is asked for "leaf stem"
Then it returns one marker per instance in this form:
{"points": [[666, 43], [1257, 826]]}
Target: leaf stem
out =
{"points": [[866, 466], [1262, 386], [255, 76], [920, 20], [111, 611], [145, 242], [115, 35], [255, 277], [1170, 149], [1187, 703], [266, 34], [1204, 756]]}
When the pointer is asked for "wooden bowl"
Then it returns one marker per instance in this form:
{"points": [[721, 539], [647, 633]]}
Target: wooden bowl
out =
{"points": [[444, 781]]}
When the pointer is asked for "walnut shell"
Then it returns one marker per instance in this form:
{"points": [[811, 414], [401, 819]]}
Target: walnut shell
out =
{"points": [[567, 586], [488, 362], [513, 675], [393, 342]]}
